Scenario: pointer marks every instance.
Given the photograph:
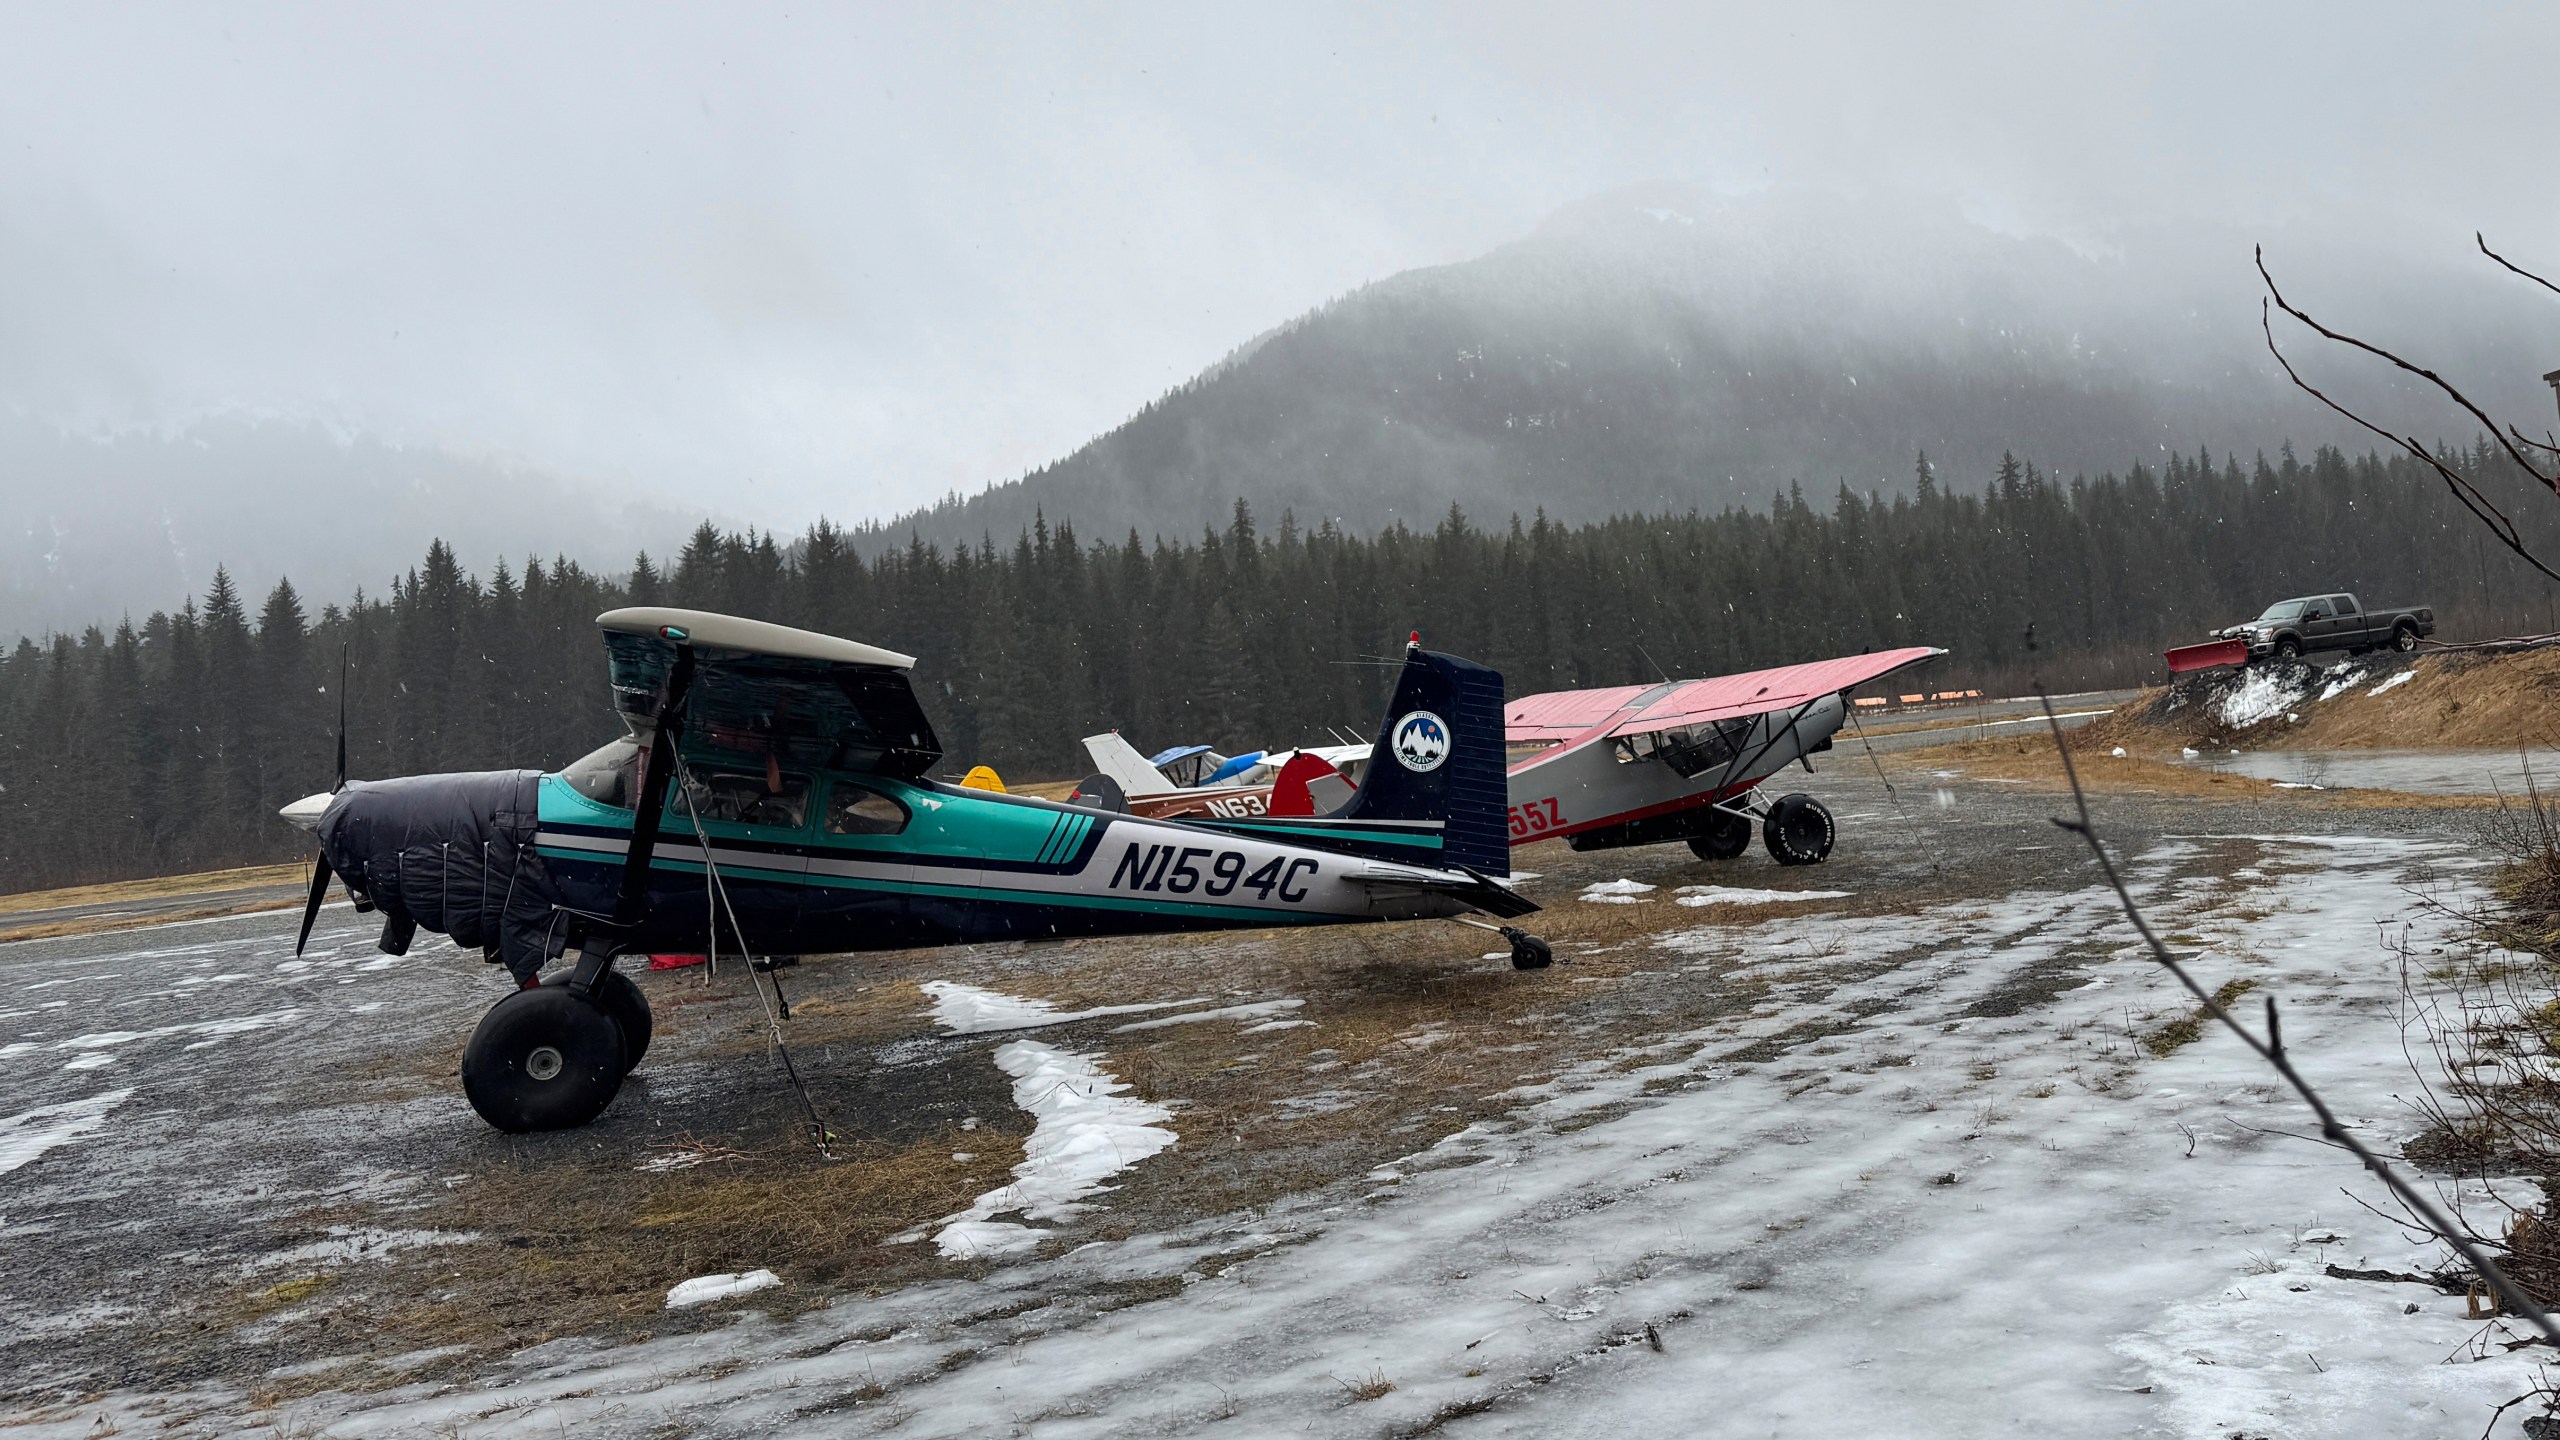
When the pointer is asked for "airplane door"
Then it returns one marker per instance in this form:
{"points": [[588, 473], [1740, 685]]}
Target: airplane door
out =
{"points": [[758, 823], [865, 890]]}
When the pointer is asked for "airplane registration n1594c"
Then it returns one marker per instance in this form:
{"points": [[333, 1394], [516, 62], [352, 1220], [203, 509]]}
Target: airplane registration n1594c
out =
{"points": [[770, 797]]}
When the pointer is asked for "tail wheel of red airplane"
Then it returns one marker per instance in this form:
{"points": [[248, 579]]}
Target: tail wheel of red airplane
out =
{"points": [[1724, 837], [620, 997], [543, 1059], [1797, 830]]}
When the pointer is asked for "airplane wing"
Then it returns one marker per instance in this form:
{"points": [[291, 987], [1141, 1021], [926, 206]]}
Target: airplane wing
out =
{"points": [[1565, 715], [771, 692]]}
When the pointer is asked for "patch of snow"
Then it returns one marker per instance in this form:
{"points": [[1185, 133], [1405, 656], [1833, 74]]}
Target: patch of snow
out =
{"points": [[1258, 1010], [351, 1244], [2345, 680], [2118, 752], [1615, 892], [1737, 895], [2261, 695], [703, 1289], [1087, 1130], [2394, 683], [25, 1136], [968, 1010]]}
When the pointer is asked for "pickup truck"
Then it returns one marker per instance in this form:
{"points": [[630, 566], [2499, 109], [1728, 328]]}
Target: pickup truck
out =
{"points": [[2293, 628]]}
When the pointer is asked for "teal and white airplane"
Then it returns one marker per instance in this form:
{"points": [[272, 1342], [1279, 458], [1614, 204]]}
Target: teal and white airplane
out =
{"points": [[770, 797]]}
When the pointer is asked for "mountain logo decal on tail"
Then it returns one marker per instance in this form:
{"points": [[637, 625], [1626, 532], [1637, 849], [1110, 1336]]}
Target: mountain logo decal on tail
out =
{"points": [[1421, 742]]}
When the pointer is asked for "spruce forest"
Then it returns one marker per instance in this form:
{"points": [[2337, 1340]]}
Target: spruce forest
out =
{"points": [[166, 745]]}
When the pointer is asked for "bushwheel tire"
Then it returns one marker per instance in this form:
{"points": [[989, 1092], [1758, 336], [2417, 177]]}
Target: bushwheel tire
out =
{"points": [[2288, 649], [621, 999], [1797, 830], [2404, 638], [543, 1059], [1725, 836]]}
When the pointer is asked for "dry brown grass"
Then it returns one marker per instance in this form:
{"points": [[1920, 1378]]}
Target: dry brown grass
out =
{"points": [[2459, 701], [159, 888]]}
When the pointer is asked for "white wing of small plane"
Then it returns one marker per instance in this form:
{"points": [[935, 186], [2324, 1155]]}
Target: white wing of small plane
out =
{"points": [[1127, 768]]}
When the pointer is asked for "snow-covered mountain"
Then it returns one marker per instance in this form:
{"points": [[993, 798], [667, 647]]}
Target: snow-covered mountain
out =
{"points": [[1658, 348]]}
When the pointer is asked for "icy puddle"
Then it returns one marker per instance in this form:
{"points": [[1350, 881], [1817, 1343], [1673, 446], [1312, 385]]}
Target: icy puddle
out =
{"points": [[1930, 1186], [2415, 772]]}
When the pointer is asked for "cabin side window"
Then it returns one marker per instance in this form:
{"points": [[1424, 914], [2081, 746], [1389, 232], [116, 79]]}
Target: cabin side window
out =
{"points": [[857, 810], [742, 798], [608, 774]]}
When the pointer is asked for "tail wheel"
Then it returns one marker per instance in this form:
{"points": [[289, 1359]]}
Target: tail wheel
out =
{"points": [[1797, 830], [2404, 637], [621, 999], [1724, 836], [1528, 952], [543, 1059]]}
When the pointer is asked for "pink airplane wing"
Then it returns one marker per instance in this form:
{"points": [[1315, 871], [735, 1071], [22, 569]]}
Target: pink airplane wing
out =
{"points": [[1570, 714]]}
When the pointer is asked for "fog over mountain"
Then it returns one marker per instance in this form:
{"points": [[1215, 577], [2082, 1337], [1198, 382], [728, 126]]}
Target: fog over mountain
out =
{"points": [[95, 528], [1659, 349]]}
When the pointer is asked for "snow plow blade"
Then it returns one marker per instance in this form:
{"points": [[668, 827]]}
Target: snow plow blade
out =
{"points": [[2208, 655]]}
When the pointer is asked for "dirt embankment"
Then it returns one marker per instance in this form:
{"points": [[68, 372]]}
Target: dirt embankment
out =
{"points": [[2461, 701]]}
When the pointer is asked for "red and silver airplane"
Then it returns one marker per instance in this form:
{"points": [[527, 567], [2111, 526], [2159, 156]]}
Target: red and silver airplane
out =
{"points": [[1628, 765], [1685, 759]]}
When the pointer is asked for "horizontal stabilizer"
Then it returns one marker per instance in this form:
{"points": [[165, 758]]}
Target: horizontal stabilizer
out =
{"points": [[1488, 895]]}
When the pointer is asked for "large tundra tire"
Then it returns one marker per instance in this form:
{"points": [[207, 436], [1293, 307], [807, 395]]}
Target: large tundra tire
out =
{"points": [[1723, 836], [619, 996], [1797, 830], [2404, 637], [546, 1058]]}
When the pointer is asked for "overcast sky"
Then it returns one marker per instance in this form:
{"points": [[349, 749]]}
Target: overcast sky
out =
{"points": [[777, 263]]}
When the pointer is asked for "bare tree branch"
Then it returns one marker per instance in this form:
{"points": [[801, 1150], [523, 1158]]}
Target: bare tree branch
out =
{"points": [[2272, 1051], [2551, 482], [2463, 490], [2483, 243]]}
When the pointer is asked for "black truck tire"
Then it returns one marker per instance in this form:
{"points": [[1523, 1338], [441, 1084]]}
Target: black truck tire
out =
{"points": [[2288, 650], [2404, 637]]}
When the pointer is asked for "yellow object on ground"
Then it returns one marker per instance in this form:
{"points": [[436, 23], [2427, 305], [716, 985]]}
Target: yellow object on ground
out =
{"points": [[983, 778]]}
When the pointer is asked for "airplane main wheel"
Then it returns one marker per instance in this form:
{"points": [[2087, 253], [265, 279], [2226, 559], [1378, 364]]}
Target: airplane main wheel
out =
{"points": [[620, 997], [1797, 830], [543, 1059], [1725, 837]]}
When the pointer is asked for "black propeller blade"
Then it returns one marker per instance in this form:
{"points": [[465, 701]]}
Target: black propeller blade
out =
{"points": [[342, 722], [320, 859], [319, 892]]}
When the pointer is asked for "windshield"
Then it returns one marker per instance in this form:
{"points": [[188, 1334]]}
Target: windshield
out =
{"points": [[2283, 610], [607, 775]]}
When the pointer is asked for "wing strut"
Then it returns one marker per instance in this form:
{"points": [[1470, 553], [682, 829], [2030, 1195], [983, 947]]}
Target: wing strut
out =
{"points": [[656, 770]]}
